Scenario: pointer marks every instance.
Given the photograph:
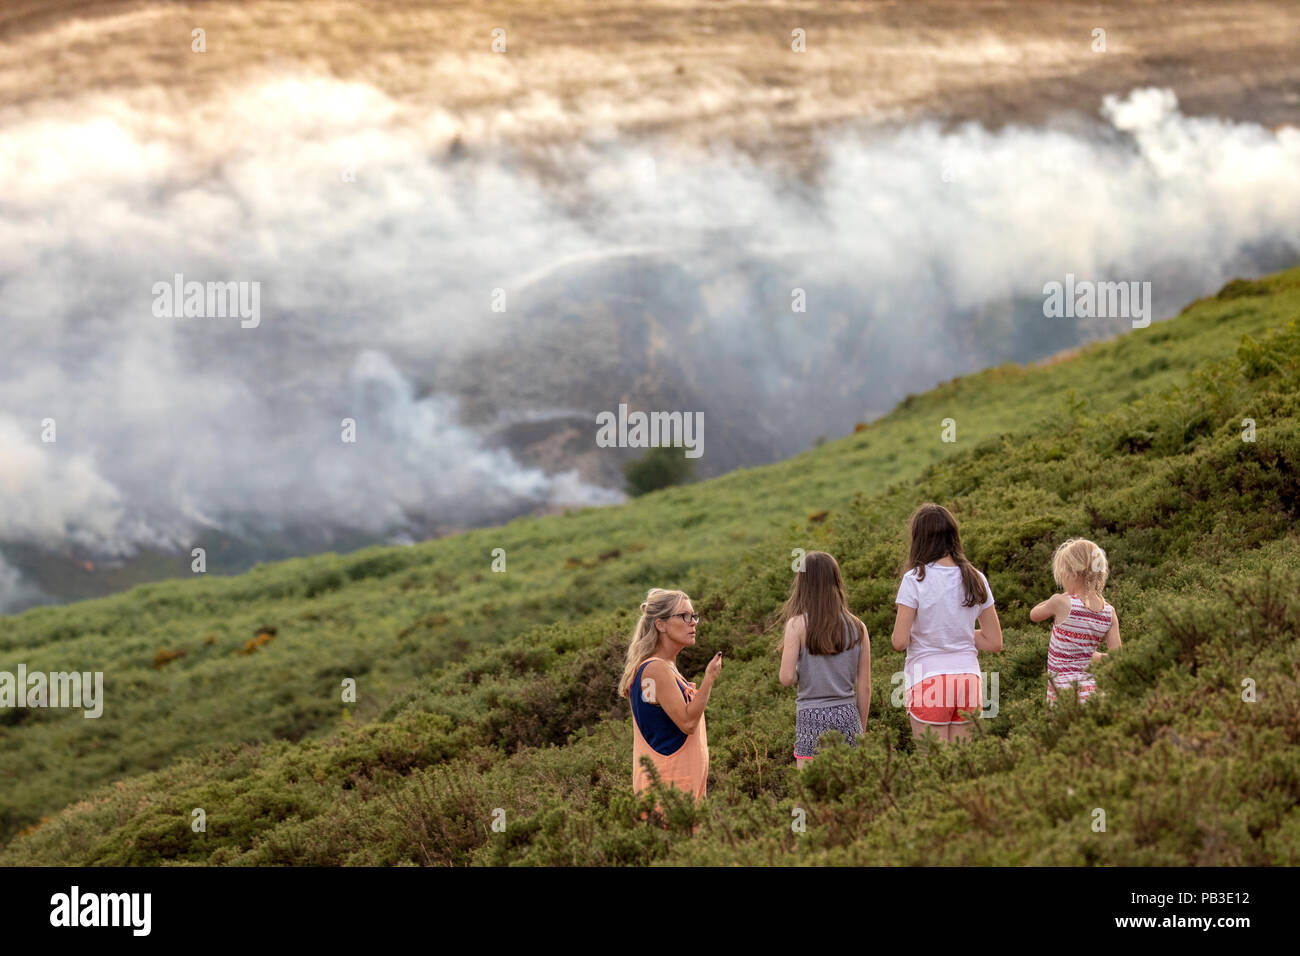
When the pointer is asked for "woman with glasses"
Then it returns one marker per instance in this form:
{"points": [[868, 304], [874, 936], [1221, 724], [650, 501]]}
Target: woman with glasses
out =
{"points": [[667, 709]]}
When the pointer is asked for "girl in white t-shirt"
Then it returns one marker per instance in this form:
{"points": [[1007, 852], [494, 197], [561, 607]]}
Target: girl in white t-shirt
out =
{"points": [[940, 599]]}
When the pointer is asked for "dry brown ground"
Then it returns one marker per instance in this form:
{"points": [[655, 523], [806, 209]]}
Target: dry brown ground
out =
{"points": [[699, 71]]}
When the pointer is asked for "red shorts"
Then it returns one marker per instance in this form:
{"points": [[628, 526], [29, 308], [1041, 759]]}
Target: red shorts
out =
{"points": [[940, 699]]}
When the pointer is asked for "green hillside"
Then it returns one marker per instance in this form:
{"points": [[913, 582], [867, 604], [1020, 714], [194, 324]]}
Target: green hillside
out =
{"points": [[482, 692]]}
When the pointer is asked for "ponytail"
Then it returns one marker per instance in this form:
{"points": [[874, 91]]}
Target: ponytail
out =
{"points": [[976, 592]]}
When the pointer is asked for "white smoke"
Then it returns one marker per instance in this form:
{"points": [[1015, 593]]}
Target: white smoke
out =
{"points": [[15, 593], [377, 252]]}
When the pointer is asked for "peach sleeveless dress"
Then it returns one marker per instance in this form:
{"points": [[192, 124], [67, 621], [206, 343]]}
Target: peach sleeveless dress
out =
{"points": [[681, 759]]}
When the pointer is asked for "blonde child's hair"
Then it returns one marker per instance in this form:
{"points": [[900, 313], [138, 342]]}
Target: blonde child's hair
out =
{"points": [[1081, 560]]}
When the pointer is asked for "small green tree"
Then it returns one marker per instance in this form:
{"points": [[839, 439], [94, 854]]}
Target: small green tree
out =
{"points": [[660, 467]]}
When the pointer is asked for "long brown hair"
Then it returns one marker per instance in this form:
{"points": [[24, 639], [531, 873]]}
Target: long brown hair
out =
{"points": [[818, 594], [934, 535], [658, 605]]}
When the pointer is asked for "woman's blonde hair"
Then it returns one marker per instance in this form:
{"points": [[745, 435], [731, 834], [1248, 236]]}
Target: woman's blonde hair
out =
{"points": [[658, 605], [1081, 560]]}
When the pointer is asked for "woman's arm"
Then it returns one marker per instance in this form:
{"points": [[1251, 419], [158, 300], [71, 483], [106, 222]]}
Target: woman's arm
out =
{"points": [[863, 687], [790, 650], [988, 636], [902, 635], [1057, 606], [664, 691]]}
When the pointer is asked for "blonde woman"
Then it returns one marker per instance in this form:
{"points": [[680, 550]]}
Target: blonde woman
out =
{"points": [[667, 709], [1082, 618]]}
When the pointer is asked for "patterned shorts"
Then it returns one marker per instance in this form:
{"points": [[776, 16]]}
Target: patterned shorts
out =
{"points": [[812, 723], [1085, 685]]}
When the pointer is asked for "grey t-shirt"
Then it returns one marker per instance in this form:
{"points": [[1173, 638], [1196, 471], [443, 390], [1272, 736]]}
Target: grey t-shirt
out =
{"points": [[826, 680]]}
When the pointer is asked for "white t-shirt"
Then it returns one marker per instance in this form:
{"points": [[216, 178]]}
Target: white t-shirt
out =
{"points": [[943, 634]]}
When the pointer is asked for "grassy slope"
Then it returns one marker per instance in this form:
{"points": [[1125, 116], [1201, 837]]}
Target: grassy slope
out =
{"points": [[1183, 506]]}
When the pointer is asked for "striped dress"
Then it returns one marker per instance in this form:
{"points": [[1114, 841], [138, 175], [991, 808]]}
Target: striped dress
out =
{"points": [[1069, 655]]}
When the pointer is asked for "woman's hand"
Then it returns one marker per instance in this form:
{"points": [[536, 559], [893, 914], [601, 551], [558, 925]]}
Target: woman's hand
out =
{"points": [[715, 666]]}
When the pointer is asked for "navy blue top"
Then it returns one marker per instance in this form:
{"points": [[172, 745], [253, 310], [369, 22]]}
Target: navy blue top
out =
{"points": [[658, 729]]}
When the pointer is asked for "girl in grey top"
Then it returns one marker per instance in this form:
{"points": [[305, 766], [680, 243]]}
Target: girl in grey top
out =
{"points": [[827, 651]]}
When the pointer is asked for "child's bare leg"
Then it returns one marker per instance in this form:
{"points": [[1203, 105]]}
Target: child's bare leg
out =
{"points": [[959, 731], [920, 729]]}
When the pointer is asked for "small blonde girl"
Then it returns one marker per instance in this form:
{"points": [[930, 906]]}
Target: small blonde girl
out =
{"points": [[1082, 618]]}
